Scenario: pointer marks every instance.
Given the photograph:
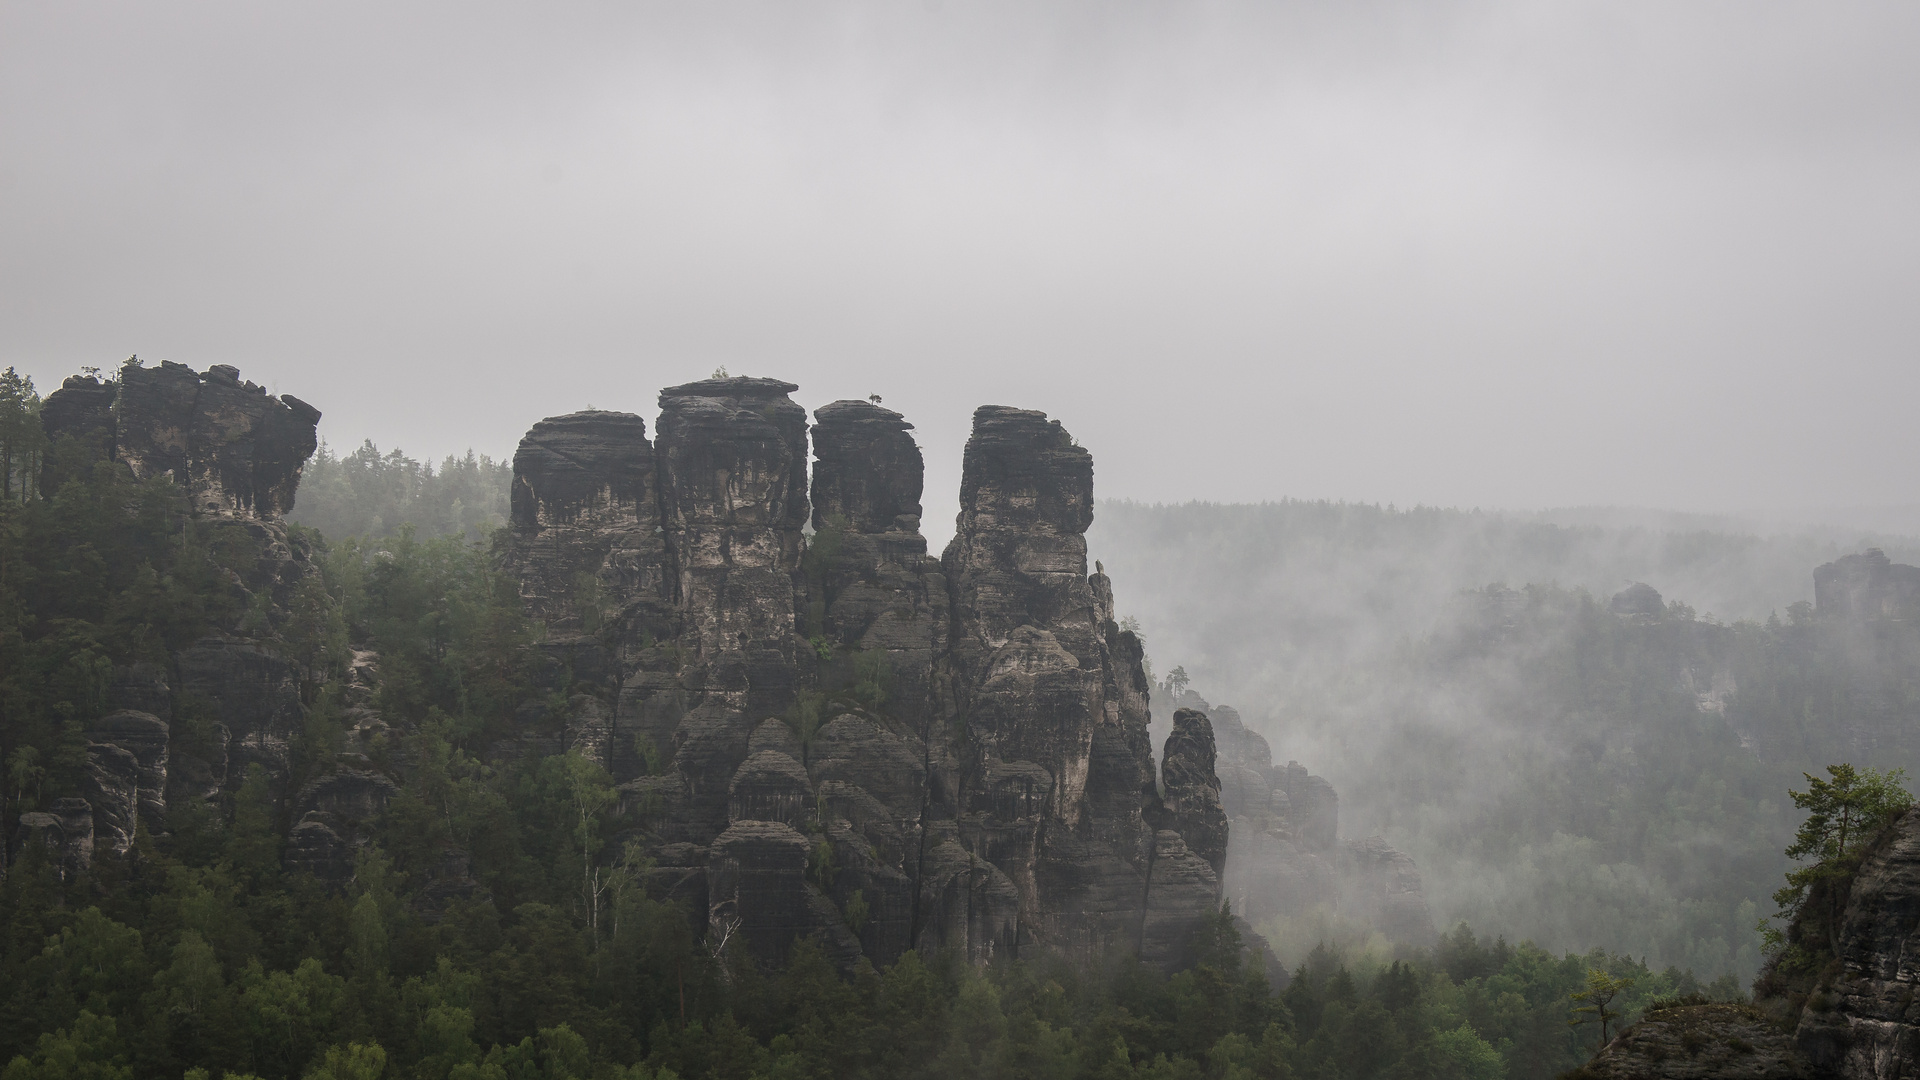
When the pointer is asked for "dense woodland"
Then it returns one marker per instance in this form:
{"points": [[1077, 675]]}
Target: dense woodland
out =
{"points": [[197, 952]]}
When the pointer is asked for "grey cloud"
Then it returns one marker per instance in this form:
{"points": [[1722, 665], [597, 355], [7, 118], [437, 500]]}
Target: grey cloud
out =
{"points": [[1516, 254]]}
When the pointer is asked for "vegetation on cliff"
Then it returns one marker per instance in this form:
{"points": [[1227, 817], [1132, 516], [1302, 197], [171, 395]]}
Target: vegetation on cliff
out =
{"points": [[200, 949]]}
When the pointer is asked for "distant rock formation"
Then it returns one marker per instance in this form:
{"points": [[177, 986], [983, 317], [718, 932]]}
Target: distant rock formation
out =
{"points": [[127, 775], [1867, 587], [1285, 855], [1638, 598], [841, 736]]}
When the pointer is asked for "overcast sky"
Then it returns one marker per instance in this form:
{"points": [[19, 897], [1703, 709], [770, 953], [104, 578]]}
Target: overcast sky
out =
{"points": [[1497, 254]]}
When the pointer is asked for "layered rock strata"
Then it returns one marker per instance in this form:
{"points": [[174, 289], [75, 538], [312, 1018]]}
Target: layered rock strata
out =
{"points": [[1285, 855], [841, 736], [1867, 587], [237, 452], [237, 449]]}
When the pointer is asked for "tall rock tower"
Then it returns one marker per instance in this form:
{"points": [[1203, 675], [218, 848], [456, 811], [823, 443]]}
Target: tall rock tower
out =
{"points": [[838, 735]]}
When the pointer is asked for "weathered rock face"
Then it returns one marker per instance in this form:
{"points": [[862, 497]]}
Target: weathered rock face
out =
{"points": [[238, 449], [1192, 788], [127, 775], [81, 410], [849, 738], [872, 587], [254, 697], [1867, 587], [1850, 1018], [1284, 854], [1861, 1020], [63, 832], [187, 730], [586, 523], [330, 815]]}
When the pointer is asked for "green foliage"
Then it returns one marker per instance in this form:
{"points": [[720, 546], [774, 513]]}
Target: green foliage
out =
{"points": [[1595, 998], [1844, 812], [89, 1050], [370, 494], [22, 445]]}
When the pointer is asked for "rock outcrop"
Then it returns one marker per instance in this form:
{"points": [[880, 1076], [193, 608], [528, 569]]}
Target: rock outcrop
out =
{"points": [[1867, 587], [1284, 854], [127, 775], [237, 452], [1700, 1042], [1191, 788], [62, 833], [80, 411], [1838, 1006], [841, 736], [330, 817], [1638, 598], [238, 449], [1859, 1018]]}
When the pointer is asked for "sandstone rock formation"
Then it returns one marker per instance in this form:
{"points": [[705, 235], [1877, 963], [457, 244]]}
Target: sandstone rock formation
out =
{"points": [[843, 737], [1698, 1042], [63, 833], [1860, 1019], [1638, 598], [1850, 1015], [81, 410], [1867, 587], [237, 452], [127, 775], [1284, 855], [238, 449], [330, 814]]}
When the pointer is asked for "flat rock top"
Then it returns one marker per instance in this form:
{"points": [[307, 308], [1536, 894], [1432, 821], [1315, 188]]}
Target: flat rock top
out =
{"points": [[588, 418], [851, 412], [1736, 1042], [129, 722], [742, 386]]}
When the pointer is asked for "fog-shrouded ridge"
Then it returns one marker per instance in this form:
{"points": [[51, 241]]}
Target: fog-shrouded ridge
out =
{"points": [[1560, 767]]}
